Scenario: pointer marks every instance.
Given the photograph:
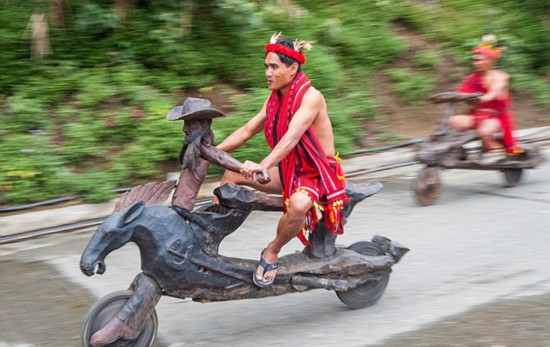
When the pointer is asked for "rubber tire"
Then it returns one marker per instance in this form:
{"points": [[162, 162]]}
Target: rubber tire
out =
{"points": [[366, 294], [103, 310], [426, 194], [512, 176]]}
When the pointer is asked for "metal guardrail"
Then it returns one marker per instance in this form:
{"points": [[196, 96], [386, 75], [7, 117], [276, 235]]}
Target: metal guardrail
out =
{"points": [[52, 230]]}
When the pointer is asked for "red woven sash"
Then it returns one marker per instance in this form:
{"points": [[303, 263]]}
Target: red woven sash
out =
{"points": [[307, 164]]}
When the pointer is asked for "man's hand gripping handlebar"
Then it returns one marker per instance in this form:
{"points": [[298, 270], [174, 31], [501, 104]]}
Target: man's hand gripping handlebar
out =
{"points": [[255, 171]]}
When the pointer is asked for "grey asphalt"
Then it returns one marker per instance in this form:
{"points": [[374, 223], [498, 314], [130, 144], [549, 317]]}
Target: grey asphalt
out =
{"points": [[480, 244]]}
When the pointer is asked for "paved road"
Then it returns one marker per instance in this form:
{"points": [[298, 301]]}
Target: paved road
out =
{"points": [[481, 244]]}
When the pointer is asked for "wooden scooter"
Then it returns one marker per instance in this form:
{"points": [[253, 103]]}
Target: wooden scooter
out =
{"points": [[448, 148], [179, 248]]}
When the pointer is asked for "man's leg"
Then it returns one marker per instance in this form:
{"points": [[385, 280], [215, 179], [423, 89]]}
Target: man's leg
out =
{"points": [[462, 122], [289, 226], [486, 130]]}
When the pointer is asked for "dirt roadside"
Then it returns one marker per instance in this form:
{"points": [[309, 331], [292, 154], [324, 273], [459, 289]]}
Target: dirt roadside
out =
{"points": [[519, 322]]}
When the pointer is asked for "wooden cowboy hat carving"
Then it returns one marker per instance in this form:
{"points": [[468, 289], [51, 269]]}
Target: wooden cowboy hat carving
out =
{"points": [[194, 109]]}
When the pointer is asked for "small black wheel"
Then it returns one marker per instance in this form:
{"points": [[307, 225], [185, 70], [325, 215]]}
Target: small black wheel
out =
{"points": [[512, 176], [368, 293], [104, 310], [427, 186]]}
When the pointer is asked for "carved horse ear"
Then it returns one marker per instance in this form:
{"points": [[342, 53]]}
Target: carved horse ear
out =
{"points": [[132, 213]]}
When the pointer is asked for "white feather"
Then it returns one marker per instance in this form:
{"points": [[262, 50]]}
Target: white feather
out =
{"points": [[298, 45], [489, 39], [276, 37], [301, 46]]}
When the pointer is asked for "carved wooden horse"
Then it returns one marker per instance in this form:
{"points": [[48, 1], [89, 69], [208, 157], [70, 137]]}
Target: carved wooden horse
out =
{"points": [[179, 258], [179, 248]]}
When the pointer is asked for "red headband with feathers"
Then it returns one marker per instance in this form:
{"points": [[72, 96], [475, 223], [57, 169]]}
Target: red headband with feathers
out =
{"points": [[294, 53]]}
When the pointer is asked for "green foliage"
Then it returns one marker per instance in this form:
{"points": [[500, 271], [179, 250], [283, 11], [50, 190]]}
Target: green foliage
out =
{"points": [[347, 114], [94, 87], [49, 84], [23, 114], [371, 50], [81, 142], [324, 71], [93, 185], [536, 86], [247, 106], [95, 20], [460, 25], [410, 84], [28, 170], [140, 160], [343, 124], [99, 101], [427, 59], [14, 46]]}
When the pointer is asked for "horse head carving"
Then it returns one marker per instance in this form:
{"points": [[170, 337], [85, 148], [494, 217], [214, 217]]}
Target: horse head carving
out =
{"points": [[152, 228], [111, 235]]}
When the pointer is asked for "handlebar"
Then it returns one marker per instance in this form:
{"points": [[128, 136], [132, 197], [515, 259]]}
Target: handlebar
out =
{"points": [[453, 97], [262, 177]]}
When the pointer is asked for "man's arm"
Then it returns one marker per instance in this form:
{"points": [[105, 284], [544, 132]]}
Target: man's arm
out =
{"points": [[240, 136], [303, 118], [498, 85]]}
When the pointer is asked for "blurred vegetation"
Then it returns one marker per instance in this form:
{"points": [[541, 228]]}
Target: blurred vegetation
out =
{"points": [[85, 85]]}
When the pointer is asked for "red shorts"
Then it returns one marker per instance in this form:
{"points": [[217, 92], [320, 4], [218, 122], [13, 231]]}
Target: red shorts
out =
{"points": [[504, 118], [310, 182]]}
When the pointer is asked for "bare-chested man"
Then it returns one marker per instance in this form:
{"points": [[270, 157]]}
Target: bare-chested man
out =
{"points": [[302, 162], [492, 112]]}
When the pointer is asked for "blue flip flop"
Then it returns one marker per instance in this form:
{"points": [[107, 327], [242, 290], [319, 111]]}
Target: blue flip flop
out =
{"points": [[266, 267]]}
